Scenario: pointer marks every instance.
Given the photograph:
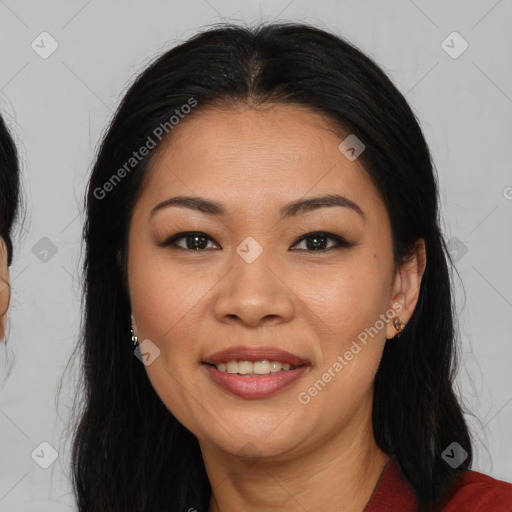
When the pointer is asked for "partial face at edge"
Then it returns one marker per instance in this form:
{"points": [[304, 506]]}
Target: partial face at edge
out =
{"points": [[5, 290], [192, 303]]}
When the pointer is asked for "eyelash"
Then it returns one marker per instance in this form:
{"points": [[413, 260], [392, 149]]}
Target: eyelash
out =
{"points": [[341, 242]]}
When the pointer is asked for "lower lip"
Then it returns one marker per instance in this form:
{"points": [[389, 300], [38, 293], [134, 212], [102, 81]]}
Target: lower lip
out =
{"points": [[254, 387]]}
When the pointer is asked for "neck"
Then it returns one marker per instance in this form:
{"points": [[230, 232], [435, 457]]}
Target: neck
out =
{"points": [[339, 474]]}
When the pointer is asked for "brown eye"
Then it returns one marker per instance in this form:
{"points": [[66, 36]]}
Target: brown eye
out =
{"points": [[193, 241], [318, 242]]}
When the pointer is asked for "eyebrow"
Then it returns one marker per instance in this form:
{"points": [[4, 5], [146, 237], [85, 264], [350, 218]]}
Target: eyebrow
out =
{"points": [[293, 209]]}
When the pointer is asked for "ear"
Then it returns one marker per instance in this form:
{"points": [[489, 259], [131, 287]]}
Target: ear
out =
{"points": [[406, 286], [5, 289]]}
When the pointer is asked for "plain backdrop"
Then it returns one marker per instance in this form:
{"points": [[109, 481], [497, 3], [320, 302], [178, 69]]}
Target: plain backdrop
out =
{"points": [[59, 105]]}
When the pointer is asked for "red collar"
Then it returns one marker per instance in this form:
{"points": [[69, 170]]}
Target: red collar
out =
{"points": [[392, 492], [471, 491]]}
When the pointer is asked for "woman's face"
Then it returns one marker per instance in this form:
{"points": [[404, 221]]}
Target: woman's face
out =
{"points": [[4, 287], [254, 283]]}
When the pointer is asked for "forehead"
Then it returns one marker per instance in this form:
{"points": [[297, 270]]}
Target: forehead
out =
{"points": [[244, 156]]}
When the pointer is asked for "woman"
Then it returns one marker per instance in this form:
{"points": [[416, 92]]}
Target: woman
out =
{"points": [[9, 192], [262, 223]]}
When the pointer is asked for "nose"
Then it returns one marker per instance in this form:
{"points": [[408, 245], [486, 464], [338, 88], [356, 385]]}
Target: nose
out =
{"points": [[254, 294]]}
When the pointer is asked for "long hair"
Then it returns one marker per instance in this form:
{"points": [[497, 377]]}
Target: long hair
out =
{"points": [[129, 452], [9, 187]]}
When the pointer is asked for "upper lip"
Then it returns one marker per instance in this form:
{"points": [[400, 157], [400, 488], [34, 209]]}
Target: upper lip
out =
{"points": [[244, 353]]}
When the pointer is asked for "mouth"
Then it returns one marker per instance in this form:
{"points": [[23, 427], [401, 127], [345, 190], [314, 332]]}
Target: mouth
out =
{"points": [[254, 372]]}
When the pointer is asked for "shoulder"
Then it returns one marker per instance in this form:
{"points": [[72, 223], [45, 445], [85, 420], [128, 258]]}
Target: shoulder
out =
{"points": [[475, 491]]}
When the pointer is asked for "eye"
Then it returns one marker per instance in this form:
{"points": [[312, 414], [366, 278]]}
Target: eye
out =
{"points": [[194, 241], [317, 241]]}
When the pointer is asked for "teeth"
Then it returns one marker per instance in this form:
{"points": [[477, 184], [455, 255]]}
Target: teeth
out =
{"points": [[257, 368]]}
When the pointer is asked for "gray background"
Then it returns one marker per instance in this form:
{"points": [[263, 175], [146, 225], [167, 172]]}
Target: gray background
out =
{"points": [[58, 107]]}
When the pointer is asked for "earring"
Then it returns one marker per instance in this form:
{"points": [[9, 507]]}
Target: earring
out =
{"points": [[399, 326], [135, 340]]}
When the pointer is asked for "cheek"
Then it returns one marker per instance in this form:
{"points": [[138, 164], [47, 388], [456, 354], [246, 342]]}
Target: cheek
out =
{"points": [[350, 301], [348, 297], [352, 347], [5, 292], [163, 295], [166, 303]]}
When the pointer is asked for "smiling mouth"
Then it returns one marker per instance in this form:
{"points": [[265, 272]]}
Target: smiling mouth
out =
{"points": [[254, 369], [251, 385]]}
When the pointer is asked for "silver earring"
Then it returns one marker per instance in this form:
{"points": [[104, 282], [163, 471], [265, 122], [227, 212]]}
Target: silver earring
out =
{"points": [[135, 340]]}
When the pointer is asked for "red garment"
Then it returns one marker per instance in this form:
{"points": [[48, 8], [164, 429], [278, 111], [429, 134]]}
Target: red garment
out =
{"points": [[471, 492]]}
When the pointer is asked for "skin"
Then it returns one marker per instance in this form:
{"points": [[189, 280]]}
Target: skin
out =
{"points": [[5, 291], [276, 453]]}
